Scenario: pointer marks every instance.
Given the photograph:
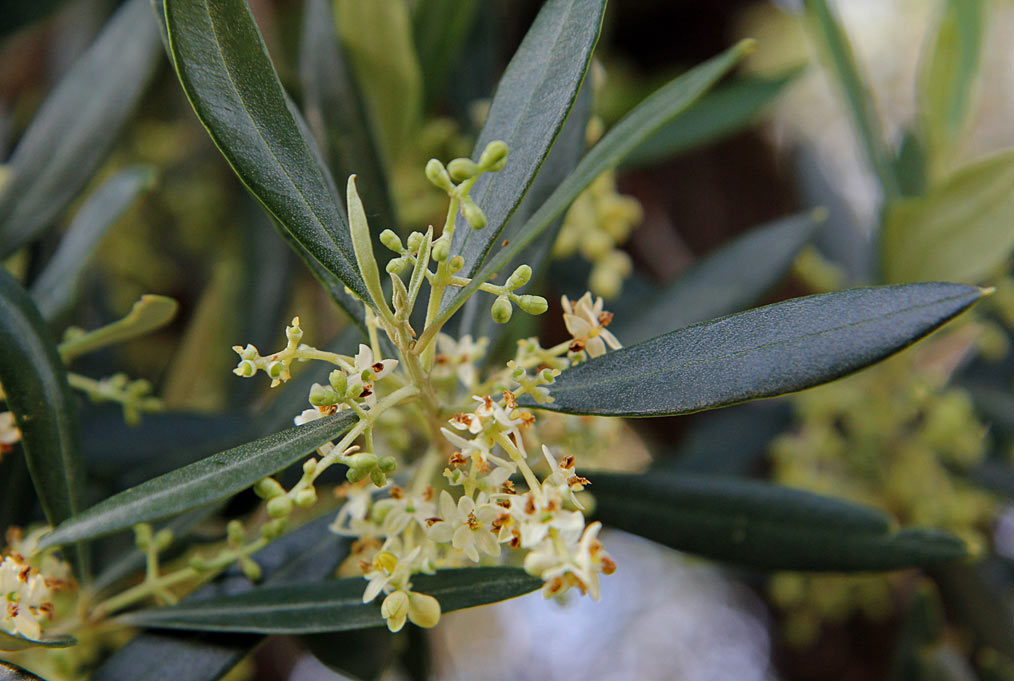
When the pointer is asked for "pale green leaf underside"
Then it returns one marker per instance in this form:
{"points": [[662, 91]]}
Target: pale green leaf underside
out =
{"points": [[149, 313]]}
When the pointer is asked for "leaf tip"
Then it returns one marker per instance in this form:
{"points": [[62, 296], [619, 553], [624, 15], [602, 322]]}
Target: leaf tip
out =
{"points": [[986, 291]]}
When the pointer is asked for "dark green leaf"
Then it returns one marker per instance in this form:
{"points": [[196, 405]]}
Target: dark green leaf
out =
{"points": [[359, 654], [332, 606], [763, 352], [858, 97], [648, 117], [56, 286], [534, 97], [762, 525], [724, 282], [217, 477], [35, 384], [9, 642], [335, 111], [226, 73], [439, 31], [727, 110], [76, 126]]}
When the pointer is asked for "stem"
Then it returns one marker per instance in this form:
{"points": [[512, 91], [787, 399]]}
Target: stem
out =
{"points": [[519, 459]]}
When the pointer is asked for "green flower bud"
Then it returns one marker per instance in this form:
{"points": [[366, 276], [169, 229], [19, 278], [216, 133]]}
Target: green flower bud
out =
{"points": [[235, 532], [502, 310], [391, 240], [310, 466], [198, 563], [275, 370], [378, 478], [455, 265], [279, 507], [462, 169], [494, 156], [387, 464], [251, 569], [273, 529], [305, 498], [441, 250], [338, 380], [533, 304], [163, 538], [267, 488], [476, 218], [142, 536], [519, 278], [437, 175], [415, 240], [321, 396], [363, 460], [396, 265], [354, 475]]}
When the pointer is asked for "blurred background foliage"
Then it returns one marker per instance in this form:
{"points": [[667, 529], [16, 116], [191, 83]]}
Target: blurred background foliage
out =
{"points": [[904, 141]]}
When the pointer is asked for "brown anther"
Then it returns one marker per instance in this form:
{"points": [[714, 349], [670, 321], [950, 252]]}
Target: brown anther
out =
{"points": [[47, 609], [515, 542], [456, 459], [500, 521], [379, 366], [552, 505], [472, 521], [510, 401], [608, 566], [508, 487], [567, 462], [430, 522], [367, 391], [365, 566], [530, 505], [25, 574], [526, 418], [440, 359], [576, 345], [487, 402], [504, 503], [329, 410], [577, 481], [504, 243], [12, 610], [397, 492], [428, 493], [605, 317], [556, 586], [481, 465]]}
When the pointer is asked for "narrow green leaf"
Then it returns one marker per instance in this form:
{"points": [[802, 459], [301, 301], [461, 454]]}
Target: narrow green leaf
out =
{"points": [[358, 654], [762, 525], [74, 130], [727, 110], [147, 314], [56, 286], [217, 477], [35, 384], [228, 76], [332, 606], [648, 117], [9, 642], [959, 231], [532, 101], [377, 37], [858, 97], [763, 352], [949, 73], [439, 31], [724, 282], [335, 110]]}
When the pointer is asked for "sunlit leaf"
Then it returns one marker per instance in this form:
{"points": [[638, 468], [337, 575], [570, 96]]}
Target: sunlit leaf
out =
{"points": [[149, 313], [763, 352]]}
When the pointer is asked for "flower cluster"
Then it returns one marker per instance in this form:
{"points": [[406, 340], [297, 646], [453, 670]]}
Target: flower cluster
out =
{"points": [[29, 588]]}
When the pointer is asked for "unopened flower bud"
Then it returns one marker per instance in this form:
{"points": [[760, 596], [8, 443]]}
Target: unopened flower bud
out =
{"points": [[494, 156], [437, 174], [387, 464], [362, 460], [395, 606], [305, 498], [455, 264], [338, 380], [462, 169], [378, 478], [354, 475], [235, 532], [502, 310], [293, 333], [473, 214], [423, 610], [163, 538], [273, 529], [519, 278], [310, 466], [441, 250], [267, 488], [142, 536], [396, 265], [321, 396], [415, 240], [279, 507], [533, 304], [251, 569], [391, 240]]}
